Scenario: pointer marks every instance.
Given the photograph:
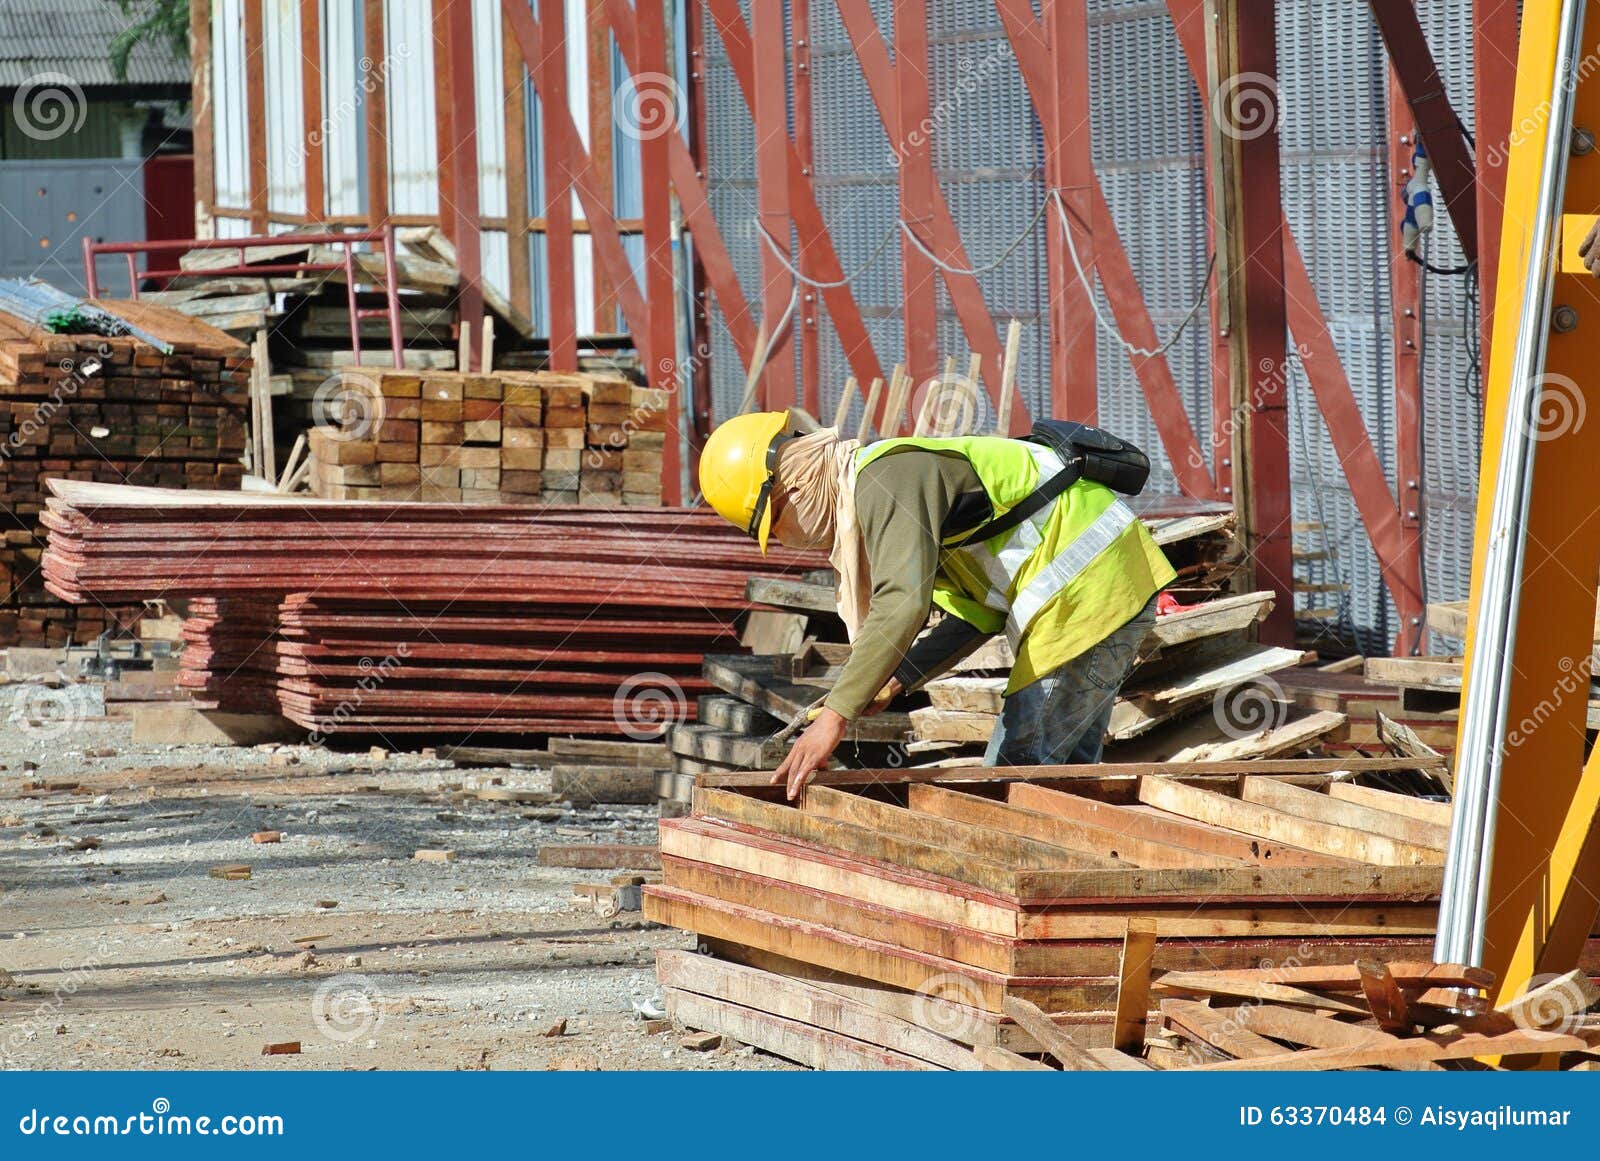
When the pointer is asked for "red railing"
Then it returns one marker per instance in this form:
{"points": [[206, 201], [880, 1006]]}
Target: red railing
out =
{"points": [[348, 242]]}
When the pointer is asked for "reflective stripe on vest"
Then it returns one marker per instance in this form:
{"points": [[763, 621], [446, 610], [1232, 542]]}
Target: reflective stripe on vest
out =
{"points": [[1001, 568]]}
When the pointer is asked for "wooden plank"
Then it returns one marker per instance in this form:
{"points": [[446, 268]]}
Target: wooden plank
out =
{"points": [[1555, 1003], [1292, 737], [615, 753], [1337, 812], [1411, 1051], [966, 838], [792, 999], [858, 956], [1223, 984], [791, 1039], [1423, 809], [1346, 977], [1104, 773], [1249, 818], [1425, 672], [1345, 882], [1307, 1028], [1383, 996], [836, 873], [593, 857], [1100, 841], [1222, 615], [1208, 840], [1219, 1029], [861, 840], [997, 1059], [589, 785], [1054, 1042], [1133, 986], [753, 680]]}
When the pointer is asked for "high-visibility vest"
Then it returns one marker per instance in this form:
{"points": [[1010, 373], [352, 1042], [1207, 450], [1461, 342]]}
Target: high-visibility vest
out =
{"points": [[1057, 583]]}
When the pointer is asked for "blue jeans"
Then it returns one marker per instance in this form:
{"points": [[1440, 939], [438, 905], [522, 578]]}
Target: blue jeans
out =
{"points": [[1061, 718]]}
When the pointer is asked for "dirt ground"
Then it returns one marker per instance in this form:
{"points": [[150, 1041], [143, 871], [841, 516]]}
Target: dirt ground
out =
{"points": [[120, 950]]}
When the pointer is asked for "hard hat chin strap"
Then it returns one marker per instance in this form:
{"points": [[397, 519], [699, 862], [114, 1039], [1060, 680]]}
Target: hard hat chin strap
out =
{"points": [[764, 497]]}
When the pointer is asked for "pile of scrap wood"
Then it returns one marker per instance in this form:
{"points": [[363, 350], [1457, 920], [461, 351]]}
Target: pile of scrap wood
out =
{"points": [[1369, 1014], [943, 896], [89, 407], [421, 618], [509, 437]]}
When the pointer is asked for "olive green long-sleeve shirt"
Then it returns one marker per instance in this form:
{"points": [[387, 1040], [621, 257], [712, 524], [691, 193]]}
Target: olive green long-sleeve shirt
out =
{"points": [[906, 503]]}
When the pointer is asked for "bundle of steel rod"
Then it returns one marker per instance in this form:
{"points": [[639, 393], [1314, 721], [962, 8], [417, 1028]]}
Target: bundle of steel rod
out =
{"points": [[422, 618], [121, 409], [944, 896]]}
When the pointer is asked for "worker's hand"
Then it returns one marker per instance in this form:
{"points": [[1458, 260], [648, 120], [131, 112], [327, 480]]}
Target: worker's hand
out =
{"points": [[811, 751], [891, 690], [1589, 249]]}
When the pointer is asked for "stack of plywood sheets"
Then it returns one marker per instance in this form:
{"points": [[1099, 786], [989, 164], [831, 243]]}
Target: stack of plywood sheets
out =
{"points": [[502, 438], [957, 887]]}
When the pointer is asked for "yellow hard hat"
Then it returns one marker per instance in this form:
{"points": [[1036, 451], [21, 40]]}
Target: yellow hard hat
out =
{"points": [[736, 468]]}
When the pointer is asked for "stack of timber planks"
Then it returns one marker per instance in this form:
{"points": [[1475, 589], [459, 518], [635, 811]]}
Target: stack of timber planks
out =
{"points": [[501, 438], [942, 897], [88, 407], [421, 619]]}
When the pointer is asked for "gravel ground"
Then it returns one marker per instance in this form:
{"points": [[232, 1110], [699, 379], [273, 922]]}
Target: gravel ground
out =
{"points": [[124, 952]]}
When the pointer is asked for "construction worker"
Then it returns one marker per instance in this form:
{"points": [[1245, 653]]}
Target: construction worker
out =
{"points": [[1073, 586]]}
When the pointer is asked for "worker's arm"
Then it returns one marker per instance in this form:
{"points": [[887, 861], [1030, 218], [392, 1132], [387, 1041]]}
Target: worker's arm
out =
{"points": [[900, 507]]}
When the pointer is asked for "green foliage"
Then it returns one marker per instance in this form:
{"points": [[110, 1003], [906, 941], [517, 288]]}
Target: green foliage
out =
{"points": [[166, 20]]}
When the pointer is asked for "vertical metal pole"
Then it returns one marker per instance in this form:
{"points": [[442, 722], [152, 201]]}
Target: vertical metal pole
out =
{"points": [[458, 155], [800, 53], [391, 291], [771, 112], [551, 80], [1405, 294], [656, 91], [1069, 171], [1494, 81], [311, 108], [375, 51], [915, 155], [201, 119]]}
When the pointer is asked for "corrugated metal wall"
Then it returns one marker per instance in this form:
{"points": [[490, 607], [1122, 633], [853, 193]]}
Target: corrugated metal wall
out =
{"points": [[1148, 130]]}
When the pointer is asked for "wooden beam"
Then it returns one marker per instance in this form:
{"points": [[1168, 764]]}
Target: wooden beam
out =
{"points": [[375, 51], [1052, 1039], [255, 101], [1336, 812], [312, 132], [1133, 986], [202, 117]]}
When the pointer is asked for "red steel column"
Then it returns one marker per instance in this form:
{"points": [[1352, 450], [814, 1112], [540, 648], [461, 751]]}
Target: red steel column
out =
{"points": [[1405, 281], [1069, 170], [551, 80], [771, 114], [800, 53], [375, 51], [458, 156], [915, 153], [1248, 44], [656, 91], [700, 369]]}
